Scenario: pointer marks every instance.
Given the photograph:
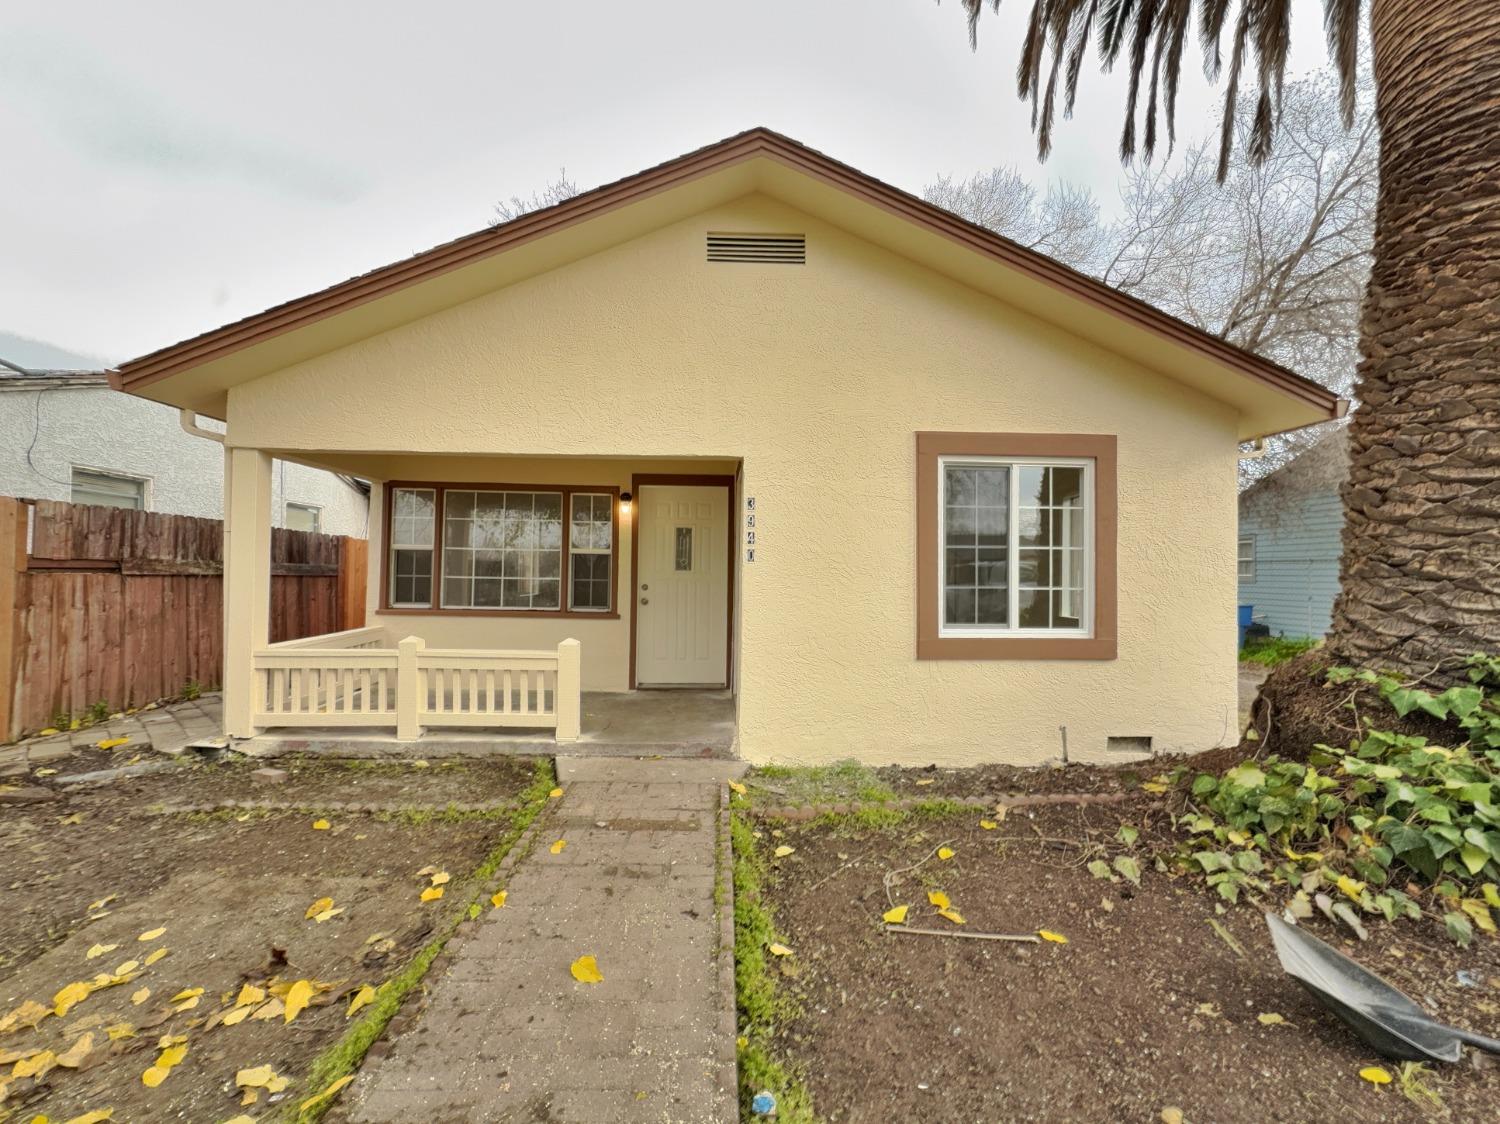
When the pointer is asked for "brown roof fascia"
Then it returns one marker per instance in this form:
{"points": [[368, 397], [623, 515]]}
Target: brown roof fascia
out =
{"points": [[743, 146]]}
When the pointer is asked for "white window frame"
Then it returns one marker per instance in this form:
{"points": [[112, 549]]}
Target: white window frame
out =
{"points": [[1013, 550], [317, 514], [1241, 560], [430, 548], [112, 474], [607, 551]]}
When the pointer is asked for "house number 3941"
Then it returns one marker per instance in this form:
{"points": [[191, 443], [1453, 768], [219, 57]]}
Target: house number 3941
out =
{"points": [[749, 528]]}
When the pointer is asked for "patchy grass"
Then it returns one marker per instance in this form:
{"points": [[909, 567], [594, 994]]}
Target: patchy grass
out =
{"points": [[763, 1007], [345, 1055], [842, 782], [1276, 650]]}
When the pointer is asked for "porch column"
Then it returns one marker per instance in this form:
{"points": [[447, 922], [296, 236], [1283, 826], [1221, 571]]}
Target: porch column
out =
{"points": [[247, 581]]}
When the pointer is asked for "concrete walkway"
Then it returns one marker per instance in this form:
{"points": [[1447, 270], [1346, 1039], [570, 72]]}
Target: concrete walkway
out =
{"points": [[507, 1034], [168, 728]]}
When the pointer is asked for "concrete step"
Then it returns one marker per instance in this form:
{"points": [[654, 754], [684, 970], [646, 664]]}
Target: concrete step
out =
{"points": [[581, 769]]}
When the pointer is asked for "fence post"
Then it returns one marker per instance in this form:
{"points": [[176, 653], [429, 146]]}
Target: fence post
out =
{"points": [[408, 688], [353, 562], [13, 516], [569, 701]]}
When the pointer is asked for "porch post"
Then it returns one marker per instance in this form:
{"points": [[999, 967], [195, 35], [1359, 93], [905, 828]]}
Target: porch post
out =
{"points": [[569, 701], [247, 581], [409, 689]]}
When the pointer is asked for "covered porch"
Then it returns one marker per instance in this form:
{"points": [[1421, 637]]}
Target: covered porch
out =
{"points": [[521, 616]]}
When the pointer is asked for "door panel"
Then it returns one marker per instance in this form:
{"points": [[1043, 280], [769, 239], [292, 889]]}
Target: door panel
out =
{"points": [[682, 589]]}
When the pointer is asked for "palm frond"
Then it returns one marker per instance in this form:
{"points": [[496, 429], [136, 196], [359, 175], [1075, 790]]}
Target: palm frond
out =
{"points": [[1152, 35]]}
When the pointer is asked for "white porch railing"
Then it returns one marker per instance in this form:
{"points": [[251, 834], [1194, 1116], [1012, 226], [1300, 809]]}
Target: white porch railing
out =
{"points": [[351, 679]]}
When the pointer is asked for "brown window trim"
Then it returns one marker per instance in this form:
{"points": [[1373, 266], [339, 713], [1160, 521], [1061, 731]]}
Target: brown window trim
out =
{"points": [[562, 612], [1101, 644]]}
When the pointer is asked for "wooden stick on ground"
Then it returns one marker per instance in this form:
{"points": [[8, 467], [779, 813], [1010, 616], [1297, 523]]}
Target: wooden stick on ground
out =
{"points": [[1025, 938]]}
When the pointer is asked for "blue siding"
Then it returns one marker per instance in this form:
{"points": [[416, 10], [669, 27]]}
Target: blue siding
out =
{"points": [[1296, 561]]}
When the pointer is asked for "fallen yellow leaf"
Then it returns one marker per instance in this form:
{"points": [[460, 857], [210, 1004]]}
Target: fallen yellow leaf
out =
{"points": [[1048, 935], [988, 825], [119, 1031], [73, 1056], [297, 998], [127, 967], [97, 1116], [952, 915], [28, 1014], [432, 893], [48, 732], [497, 899], [735, 786], [110, 743], [236, 1016], [554, 794], [586, 970], [925, 781], [261, 1077], [326, 1094], [945, 853], [362, 997], [321, 825], [270, 1009], [1270, 1018], [557, 848], [328, 913], [44, 772], [75, 818], [249, 994], [98, 950], [441, 878], [70, 995], [783, 851], [894, 916], [1351, 888], [1376, 1075], [172, 1055], [140, 995], [186, 993], [35, 1065], [151, 935], [938, 898], [778, 950], [318, 907], [1171, 1115], [155, 955]]}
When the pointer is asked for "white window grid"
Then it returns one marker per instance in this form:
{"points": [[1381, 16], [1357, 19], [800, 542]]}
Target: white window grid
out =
{"points": [[590, 534], [1013, 548], [512, 559], [1245, 561], [412, 531]]}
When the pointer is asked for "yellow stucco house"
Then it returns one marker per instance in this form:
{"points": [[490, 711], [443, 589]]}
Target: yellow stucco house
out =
{"points": [[755, 424]]}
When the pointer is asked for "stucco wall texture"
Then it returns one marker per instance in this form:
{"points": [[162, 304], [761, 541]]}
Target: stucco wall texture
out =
{"points": [[816, 379], [99, 428]]}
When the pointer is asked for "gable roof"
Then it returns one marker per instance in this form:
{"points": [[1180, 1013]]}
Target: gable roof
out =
{"points": [[13, 379], [758, 159]]}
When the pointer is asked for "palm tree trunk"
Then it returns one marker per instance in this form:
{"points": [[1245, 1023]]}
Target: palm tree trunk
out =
{"points": [[1421, 563]]}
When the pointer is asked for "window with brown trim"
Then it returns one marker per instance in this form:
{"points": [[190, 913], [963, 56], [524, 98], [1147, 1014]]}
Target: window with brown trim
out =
{"points": [[1016, 546], [499, 549]]}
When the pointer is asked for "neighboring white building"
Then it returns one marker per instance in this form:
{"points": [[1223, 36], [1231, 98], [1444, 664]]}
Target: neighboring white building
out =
{"points": [[65, 435]]}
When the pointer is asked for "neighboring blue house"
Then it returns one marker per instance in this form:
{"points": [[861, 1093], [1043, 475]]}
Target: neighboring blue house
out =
{"points": [[1291, 522]]}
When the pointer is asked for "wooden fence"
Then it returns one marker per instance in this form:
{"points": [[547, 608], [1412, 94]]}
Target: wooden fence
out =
{"points": [[104, 605]]}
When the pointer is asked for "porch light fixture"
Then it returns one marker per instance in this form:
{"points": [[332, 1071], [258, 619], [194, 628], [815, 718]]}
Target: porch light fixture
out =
{"points": [[625, 503]]}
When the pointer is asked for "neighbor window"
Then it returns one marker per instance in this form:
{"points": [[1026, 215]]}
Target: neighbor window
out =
{"points": [[303, 517], [467, 547], [1247, 558], [1016, 546], [108, 489]]}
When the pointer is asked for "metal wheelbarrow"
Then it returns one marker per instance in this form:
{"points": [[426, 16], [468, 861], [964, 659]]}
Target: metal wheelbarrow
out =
{"points": [[1386, 1019]]}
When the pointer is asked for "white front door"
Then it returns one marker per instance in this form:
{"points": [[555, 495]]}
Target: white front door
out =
{"points": [[682, 589]]}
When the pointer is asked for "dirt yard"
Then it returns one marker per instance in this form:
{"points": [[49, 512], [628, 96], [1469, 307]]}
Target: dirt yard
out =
{"points": [[1144, 1009], [193, 928]]}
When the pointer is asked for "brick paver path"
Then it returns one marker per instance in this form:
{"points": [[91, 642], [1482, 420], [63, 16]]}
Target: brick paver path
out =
{"points": [[168, 728], [508, 1035]]}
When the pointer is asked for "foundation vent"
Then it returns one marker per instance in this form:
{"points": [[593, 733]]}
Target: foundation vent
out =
{"points": [[1128, 745], [776, 249]]}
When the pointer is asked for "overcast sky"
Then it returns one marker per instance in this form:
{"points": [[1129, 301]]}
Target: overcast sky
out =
{"points": [[167, 167]]}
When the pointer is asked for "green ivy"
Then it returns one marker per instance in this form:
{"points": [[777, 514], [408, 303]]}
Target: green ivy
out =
{"points": [[1351, 831]]}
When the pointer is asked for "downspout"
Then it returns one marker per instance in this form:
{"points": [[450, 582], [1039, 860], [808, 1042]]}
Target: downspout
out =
{"points": [[189, 420]]}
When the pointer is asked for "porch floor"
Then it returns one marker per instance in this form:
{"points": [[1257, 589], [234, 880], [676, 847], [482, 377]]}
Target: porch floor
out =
{"points": [[668, 723]]}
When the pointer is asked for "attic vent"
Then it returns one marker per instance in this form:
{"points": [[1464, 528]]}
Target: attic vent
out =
{"points": [[785, 249]]}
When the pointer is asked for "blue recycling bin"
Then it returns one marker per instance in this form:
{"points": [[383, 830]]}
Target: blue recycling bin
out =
{"points": [[1246, 614]]}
